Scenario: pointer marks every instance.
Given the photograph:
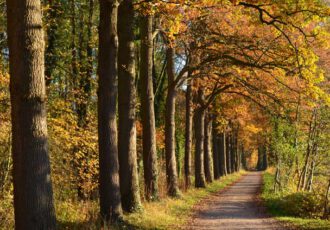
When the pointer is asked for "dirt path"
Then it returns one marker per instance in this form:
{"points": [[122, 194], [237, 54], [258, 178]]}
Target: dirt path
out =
{"points": [[235, 208]]}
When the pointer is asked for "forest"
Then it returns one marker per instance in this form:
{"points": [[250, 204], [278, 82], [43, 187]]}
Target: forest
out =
{"points": [[127, 114]]}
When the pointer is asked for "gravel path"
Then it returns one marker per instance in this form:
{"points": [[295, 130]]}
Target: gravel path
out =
{"points": [[235, 208]]}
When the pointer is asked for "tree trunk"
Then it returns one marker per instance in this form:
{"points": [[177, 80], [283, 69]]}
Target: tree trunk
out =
{"points": [[33, 195], [188, 137], [199, 145], [235, 152], [171, 173], [223, 154], [243, 158], [110, 201], [147, 109], [129, 182], [303, 176], [228, 153], [260, 158], [208, 149], [265, 160], [232, 152], [216, 153]]}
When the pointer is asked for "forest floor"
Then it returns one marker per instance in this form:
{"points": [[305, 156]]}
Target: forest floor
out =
{"points": [[237, 207]]}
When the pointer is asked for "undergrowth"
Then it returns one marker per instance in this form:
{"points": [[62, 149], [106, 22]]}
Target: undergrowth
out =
{"points": [[300, 209]]}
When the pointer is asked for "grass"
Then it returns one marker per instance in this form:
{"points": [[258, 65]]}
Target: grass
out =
{"points": [[298, 210]]}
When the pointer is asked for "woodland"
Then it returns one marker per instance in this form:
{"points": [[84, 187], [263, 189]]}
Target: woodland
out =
{"points": [[109, 107]]}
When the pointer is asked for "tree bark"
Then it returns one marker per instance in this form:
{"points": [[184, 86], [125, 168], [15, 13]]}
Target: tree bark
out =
{"points": [[208, 162], [129, 183], [199, 122], [188, 137], [147, 109], [171, 172], [33, 196], [223, 154], [110, 200], [216, 153]]}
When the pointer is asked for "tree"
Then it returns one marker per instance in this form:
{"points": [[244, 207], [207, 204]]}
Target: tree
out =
{"points": [[223, 155], [199, 119], [147, 106], [208, 161], [129, 183], [33, 196], [109, 187], [188, 136], [171, 173]]}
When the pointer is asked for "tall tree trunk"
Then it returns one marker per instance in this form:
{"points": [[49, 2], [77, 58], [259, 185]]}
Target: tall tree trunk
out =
{"points": [[228, 153], [265, 160], [33, 195], [188, 137], [243, 158], [223, 154], [199, 122], [171, 172], [237, 156], [216, 153], [260, 158], [232, 152], [303, 176], [129, 182], [208, 162], [147, 109], [110, 200]]}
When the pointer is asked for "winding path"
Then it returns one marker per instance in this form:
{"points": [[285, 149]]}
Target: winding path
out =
{"points": [[235, 208]]}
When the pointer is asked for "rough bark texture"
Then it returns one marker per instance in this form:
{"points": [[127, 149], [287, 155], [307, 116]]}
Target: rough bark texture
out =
{"points": [[110, 201], [208, 162], [216, 154], [129, 183], [33, 196], [222, 154], [171, 173], [147, 109], [188, 137], [199, 118]]}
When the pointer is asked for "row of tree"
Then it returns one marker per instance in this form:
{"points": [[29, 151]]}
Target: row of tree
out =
{"points": [[217, 55]]}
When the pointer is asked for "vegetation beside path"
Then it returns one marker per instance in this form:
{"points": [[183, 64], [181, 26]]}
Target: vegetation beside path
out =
{"points": [[169, 213], [301, 210]]}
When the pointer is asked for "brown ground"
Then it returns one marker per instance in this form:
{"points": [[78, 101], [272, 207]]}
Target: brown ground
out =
{"points": [[235, 208]]}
